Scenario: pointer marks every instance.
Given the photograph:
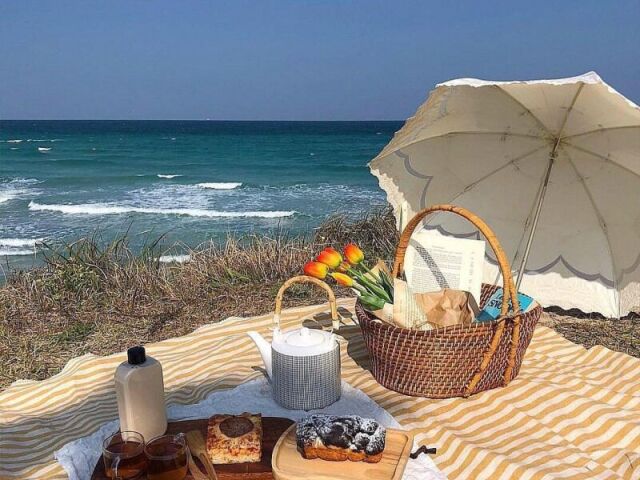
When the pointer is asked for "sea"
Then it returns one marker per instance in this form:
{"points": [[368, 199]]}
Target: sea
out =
{"points": [[186, 182]]}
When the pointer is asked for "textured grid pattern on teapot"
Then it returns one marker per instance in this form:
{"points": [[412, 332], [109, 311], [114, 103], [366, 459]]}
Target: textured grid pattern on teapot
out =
{"points": [[307, 383]]}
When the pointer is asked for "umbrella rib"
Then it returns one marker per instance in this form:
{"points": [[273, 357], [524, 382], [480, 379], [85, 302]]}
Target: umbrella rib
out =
{"points": [[475, 132], [493, 172], [601, 157], [544, 127], [601, 222], [569, 110], [606, 129], [461, 132]]}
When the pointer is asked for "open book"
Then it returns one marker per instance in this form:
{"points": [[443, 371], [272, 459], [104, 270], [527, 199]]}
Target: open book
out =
{"points": [[434, 262]]}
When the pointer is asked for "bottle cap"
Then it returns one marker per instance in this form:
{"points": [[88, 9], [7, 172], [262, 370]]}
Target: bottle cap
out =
{"points": [[136, 355]]}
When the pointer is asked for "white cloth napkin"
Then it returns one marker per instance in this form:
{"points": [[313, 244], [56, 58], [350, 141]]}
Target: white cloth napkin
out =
{"points": [[80, 456]]}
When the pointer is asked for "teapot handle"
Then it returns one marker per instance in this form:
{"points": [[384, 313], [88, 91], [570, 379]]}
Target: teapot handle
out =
{"points": [[335, 321]]}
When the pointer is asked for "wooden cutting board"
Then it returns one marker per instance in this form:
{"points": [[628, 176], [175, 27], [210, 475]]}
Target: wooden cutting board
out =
{"points": [[273, 428], [288, 464]]}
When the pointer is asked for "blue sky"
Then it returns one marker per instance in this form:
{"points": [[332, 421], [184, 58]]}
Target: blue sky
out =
{"points": [[293, 60]]}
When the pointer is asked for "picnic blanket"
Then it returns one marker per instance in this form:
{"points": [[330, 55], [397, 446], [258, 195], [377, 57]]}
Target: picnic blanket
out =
{"points": [[80, 456], [571, 413]]}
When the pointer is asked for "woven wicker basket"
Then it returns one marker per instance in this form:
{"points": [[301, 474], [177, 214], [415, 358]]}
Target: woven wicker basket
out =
{"points": [[455, 361]]}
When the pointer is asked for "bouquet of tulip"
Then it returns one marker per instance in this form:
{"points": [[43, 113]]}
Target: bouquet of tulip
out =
{"points": [[373, 286]]}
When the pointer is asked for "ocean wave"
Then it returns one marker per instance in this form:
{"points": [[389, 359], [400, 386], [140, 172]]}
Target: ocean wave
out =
{"points": [[4, 252], [160, 175], [19, 246], [174, 258], [20, 242], [105, 209], [44, 149], [22, 181], [220, 185], [15, 188], [17, 140], [43, 139]]}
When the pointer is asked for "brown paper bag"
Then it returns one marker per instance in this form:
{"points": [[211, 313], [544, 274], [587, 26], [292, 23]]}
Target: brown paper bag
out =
{"points": [[447, 307], [425, 311]]}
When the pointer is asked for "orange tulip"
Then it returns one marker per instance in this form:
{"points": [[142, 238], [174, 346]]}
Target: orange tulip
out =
{"points": [[330, 257], [316, 269], [342, 279], [344, 267], [353, 254]]}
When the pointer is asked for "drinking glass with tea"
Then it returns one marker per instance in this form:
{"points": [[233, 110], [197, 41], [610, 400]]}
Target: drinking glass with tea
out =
{"points": [[167, 457], [123, 456]]}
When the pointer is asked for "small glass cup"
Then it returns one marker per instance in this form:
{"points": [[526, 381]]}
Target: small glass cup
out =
{"points": [[167, 457], [123, 455]]}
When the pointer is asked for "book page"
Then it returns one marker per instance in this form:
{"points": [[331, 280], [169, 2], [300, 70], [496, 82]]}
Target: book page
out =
{"points": [[434, 262]]}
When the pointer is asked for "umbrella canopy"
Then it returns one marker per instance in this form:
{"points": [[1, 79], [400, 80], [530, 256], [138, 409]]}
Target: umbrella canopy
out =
{"points": [[553, 166]]}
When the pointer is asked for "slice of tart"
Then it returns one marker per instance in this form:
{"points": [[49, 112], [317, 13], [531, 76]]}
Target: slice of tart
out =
{"points": [[234, 438]]}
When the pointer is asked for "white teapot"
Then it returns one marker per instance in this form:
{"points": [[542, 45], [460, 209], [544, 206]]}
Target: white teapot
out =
{"points": [[303, 364]]}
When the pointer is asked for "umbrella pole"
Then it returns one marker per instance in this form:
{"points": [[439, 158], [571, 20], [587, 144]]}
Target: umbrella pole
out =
{"points": [[543, 191]]}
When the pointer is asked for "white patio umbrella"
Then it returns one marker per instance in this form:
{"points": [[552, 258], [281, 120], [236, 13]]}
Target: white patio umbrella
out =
{"points": [[553, 166]]}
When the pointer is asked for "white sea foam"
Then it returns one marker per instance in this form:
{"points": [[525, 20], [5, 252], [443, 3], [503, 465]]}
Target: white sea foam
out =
{"points": [[174, 258], [20, 242], [19, 246], [11, 252], [44, 149], [220, 185], [17, 140], [13, 148], [106, 209], [15, 188], [21, 181], [160, 175]]}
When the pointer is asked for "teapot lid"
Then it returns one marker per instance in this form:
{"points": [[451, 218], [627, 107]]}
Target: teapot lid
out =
{"points": [[303, 342]]}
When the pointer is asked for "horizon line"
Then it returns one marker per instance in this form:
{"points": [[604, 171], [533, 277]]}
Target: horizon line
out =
{"points": [[173, 120]]}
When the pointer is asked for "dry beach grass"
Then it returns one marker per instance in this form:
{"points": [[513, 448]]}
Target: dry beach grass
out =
{"points": [[103, 299]]}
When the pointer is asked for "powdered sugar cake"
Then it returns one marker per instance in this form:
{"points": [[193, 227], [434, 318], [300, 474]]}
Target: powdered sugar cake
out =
{"points": [[340, 438], [288, 464]]}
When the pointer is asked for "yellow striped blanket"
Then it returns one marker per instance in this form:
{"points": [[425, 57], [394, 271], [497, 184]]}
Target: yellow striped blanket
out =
{"points": [[571, 413]]}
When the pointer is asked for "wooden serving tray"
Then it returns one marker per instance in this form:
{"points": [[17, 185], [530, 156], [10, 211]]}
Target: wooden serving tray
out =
{"points": [[288, 464], [272, 427]]}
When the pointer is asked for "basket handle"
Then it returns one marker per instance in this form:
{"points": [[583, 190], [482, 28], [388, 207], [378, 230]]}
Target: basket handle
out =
{"points": [[508, 288], [335, 321]]}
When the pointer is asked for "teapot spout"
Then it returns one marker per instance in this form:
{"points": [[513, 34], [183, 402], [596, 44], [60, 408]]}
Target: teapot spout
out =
{"points": [[265, 350]]}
